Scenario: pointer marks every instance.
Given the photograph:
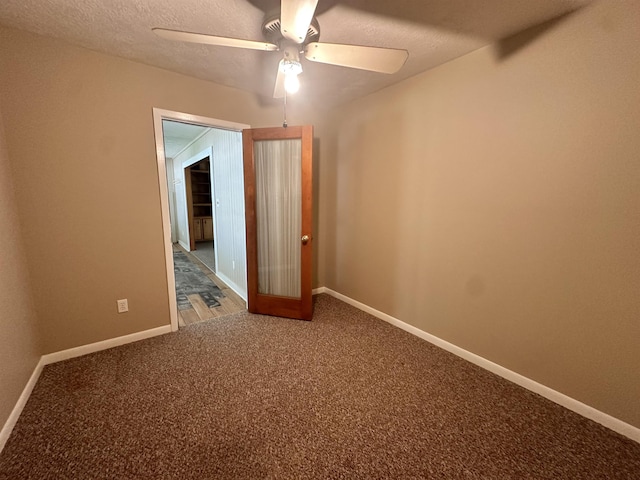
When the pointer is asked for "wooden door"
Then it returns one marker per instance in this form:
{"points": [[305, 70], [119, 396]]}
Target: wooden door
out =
{"points": [[278, 209], [197, 230], [207, 228]]}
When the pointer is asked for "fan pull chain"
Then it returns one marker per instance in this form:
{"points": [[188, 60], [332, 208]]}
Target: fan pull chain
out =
{"points": [[284, 124]]}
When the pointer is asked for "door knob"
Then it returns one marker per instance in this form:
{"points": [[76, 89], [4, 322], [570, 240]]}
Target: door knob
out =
{"points": [[305, 239]]}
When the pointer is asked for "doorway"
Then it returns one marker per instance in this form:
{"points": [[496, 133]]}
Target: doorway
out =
{"points": [[223, 141], [200, 212]]}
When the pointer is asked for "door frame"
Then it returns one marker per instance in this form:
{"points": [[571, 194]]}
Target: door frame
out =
{"points": [[158, 116], [206, 153]]}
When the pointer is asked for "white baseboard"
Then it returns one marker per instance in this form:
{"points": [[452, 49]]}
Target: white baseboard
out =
{"points": [[231, 285], [184, 245], [103, 345], [22, 401], [65, 355], [591, 413]]}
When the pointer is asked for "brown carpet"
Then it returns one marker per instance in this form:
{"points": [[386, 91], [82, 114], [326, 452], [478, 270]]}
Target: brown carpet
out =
{"points": [[345, 396]]}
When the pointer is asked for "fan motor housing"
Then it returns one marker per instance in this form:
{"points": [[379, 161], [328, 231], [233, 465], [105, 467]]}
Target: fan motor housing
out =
{"points": [[271, 31]]}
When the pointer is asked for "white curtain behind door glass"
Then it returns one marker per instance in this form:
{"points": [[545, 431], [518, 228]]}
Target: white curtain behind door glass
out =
{"points": [[278, 215]]}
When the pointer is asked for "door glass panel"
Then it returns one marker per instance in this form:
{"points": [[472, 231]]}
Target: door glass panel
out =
{"points": [[278, 215]]}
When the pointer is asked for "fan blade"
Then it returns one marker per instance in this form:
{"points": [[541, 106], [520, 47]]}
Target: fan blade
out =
{"points": [[213, 40], [376, 59], [278, 90], [295, 18]]}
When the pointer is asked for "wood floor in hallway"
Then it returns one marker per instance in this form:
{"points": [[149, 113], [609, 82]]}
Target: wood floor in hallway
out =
{"points": [[199, 312]]}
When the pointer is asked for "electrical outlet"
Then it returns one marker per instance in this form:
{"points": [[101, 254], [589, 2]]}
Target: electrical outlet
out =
{"points": [[123, 305]]}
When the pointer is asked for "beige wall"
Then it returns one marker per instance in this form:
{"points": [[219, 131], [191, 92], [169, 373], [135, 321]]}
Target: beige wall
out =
{"points": [[495, 202], [80, 140], [20, 350]]}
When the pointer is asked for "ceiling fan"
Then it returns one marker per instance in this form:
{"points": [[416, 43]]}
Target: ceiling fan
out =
{"points": [[296, 31]]}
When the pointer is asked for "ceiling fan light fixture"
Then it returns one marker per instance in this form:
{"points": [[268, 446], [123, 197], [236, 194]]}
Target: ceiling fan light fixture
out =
{"points": [[291, 69], [294, 30], [291, 83]]}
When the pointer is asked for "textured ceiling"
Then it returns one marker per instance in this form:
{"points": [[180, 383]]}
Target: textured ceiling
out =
{"points": [[433, 31]]}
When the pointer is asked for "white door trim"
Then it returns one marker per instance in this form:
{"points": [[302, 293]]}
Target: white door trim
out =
{"points": [[159, 115], [214, 211]]}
